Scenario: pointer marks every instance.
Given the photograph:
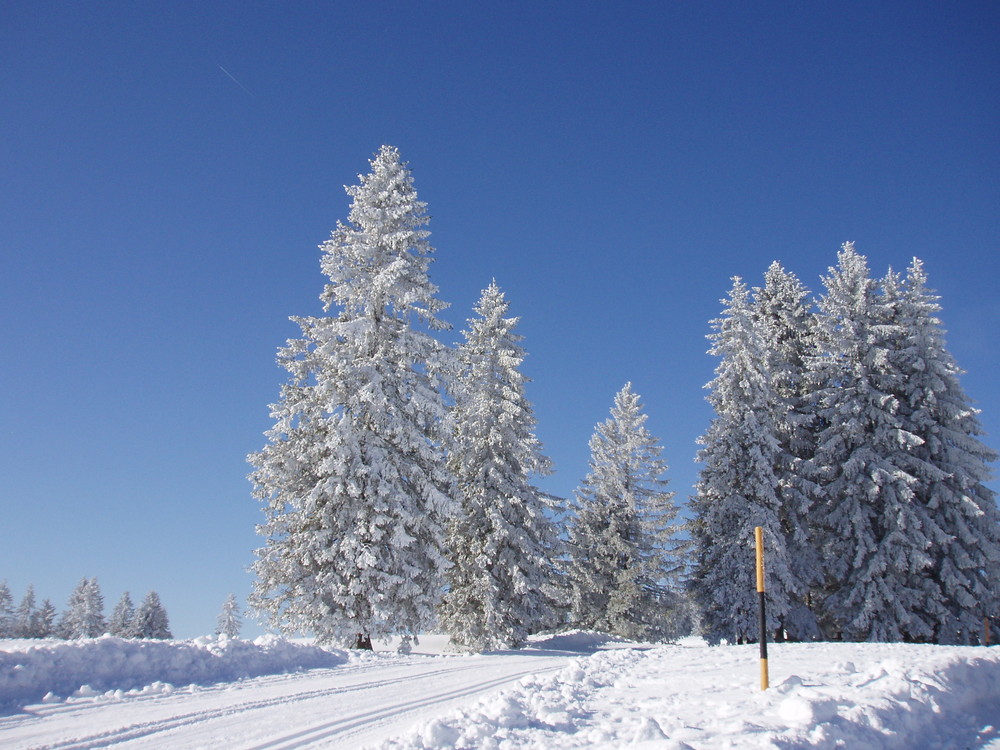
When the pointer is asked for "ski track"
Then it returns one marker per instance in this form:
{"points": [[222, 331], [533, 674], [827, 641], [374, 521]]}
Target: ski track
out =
{"points": [[385, 713]]}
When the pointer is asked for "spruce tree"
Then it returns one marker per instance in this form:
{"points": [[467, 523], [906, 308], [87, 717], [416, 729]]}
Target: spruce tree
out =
{"points": [[624, 565], [25, 618], [122, 622], [151, 619], [84, 615], [45, 620], [877, 537], [737, 488], [952, 467], [352, 479], [230, 620], [786, 324], [6, 611], [501, 542]]}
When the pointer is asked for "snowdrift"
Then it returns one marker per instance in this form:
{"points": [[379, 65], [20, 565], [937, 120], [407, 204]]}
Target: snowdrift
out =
{"points": [[98, 665], [886, 696]]}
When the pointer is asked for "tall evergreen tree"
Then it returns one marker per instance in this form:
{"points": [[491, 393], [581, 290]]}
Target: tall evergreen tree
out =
{"points": [[151, 619], [84, 615], [783, 317], [624, 564], [737, 487], [501, 542], [952, 466], [230, 620], [877, 537], [353, 480], [122, 622]]}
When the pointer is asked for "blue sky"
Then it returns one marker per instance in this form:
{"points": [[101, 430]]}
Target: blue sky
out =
{"points": [[167, 172]]}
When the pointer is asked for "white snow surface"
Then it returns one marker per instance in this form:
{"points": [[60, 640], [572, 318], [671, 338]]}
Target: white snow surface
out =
{"points": [[571, 690]]}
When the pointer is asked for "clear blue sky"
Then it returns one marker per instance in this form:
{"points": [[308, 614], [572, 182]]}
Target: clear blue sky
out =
{"points": [[168, 170]]}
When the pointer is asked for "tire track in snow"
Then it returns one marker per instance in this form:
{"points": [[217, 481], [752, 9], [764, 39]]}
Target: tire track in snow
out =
{"points": [[347, 725], [306, 737], [143, 729]]}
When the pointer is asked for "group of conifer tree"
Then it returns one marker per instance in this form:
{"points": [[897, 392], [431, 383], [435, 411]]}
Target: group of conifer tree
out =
{"points": [[83, 616], [398, 478], [842, 430]]}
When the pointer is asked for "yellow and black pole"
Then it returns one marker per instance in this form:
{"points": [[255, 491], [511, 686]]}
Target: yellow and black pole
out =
{"points": [[759, 534]]}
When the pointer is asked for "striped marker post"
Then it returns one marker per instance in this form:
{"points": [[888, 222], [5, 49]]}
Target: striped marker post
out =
{"points": [[759, 534]]}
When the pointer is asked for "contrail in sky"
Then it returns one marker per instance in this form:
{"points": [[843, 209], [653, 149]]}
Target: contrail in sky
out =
{"points": [[233, 79]]}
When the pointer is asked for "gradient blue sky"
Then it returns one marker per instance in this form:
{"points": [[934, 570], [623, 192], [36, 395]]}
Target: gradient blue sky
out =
{"points": [[168, 170]]}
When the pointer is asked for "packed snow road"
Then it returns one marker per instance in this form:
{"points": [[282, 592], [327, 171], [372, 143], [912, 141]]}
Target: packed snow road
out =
{"points": [[574, 690], [349, 706]]}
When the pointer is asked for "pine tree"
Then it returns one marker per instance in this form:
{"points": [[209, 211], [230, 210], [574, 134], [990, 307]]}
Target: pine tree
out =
{"points": [[122, 623], [951, 465], [501, 542], [230, 620], [786, 325], [45, 620], [25, 616], [151, 619], [6, 611], [353, 480], [84, 615], [624, 565], [877, 537], [738, 487]]}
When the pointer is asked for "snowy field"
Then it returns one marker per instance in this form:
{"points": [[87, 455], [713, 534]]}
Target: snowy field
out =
{"points": [[569, 691]]}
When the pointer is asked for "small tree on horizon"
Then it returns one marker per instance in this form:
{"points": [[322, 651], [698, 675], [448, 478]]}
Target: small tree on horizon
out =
{"points": [[151, 619], [45, 619], [122, 623], [230, 621], [84, 615], [6, 611], [26, 617]]}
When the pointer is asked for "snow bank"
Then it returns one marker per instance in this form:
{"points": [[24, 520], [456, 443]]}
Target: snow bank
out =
{"points": [[578, 641], [94, 666], [883, 696]]}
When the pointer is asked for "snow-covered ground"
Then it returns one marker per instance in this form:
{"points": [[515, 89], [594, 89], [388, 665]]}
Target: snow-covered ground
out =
{"points": [[568, 691]]}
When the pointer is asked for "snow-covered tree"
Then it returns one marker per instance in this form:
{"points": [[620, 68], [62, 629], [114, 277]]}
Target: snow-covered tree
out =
{"points": [[122, 622], [6, 611], [230, 619], [951, 465], [26, 615], [151, 619], [737, 488], [624, 564], [786, 325], [878, 536], [45, 620], [353, 479], [84, 615], [501, 542]]}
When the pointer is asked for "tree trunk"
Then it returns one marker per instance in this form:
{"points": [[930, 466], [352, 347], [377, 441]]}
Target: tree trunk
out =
{"points": [[363, 641]]}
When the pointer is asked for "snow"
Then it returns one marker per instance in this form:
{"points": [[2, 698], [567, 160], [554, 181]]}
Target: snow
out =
{"points": [[571, 690], [30, 672]]}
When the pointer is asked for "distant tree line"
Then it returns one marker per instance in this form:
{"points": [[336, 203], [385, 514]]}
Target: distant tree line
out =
{"points": [[398, 481], [83, 616]]}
